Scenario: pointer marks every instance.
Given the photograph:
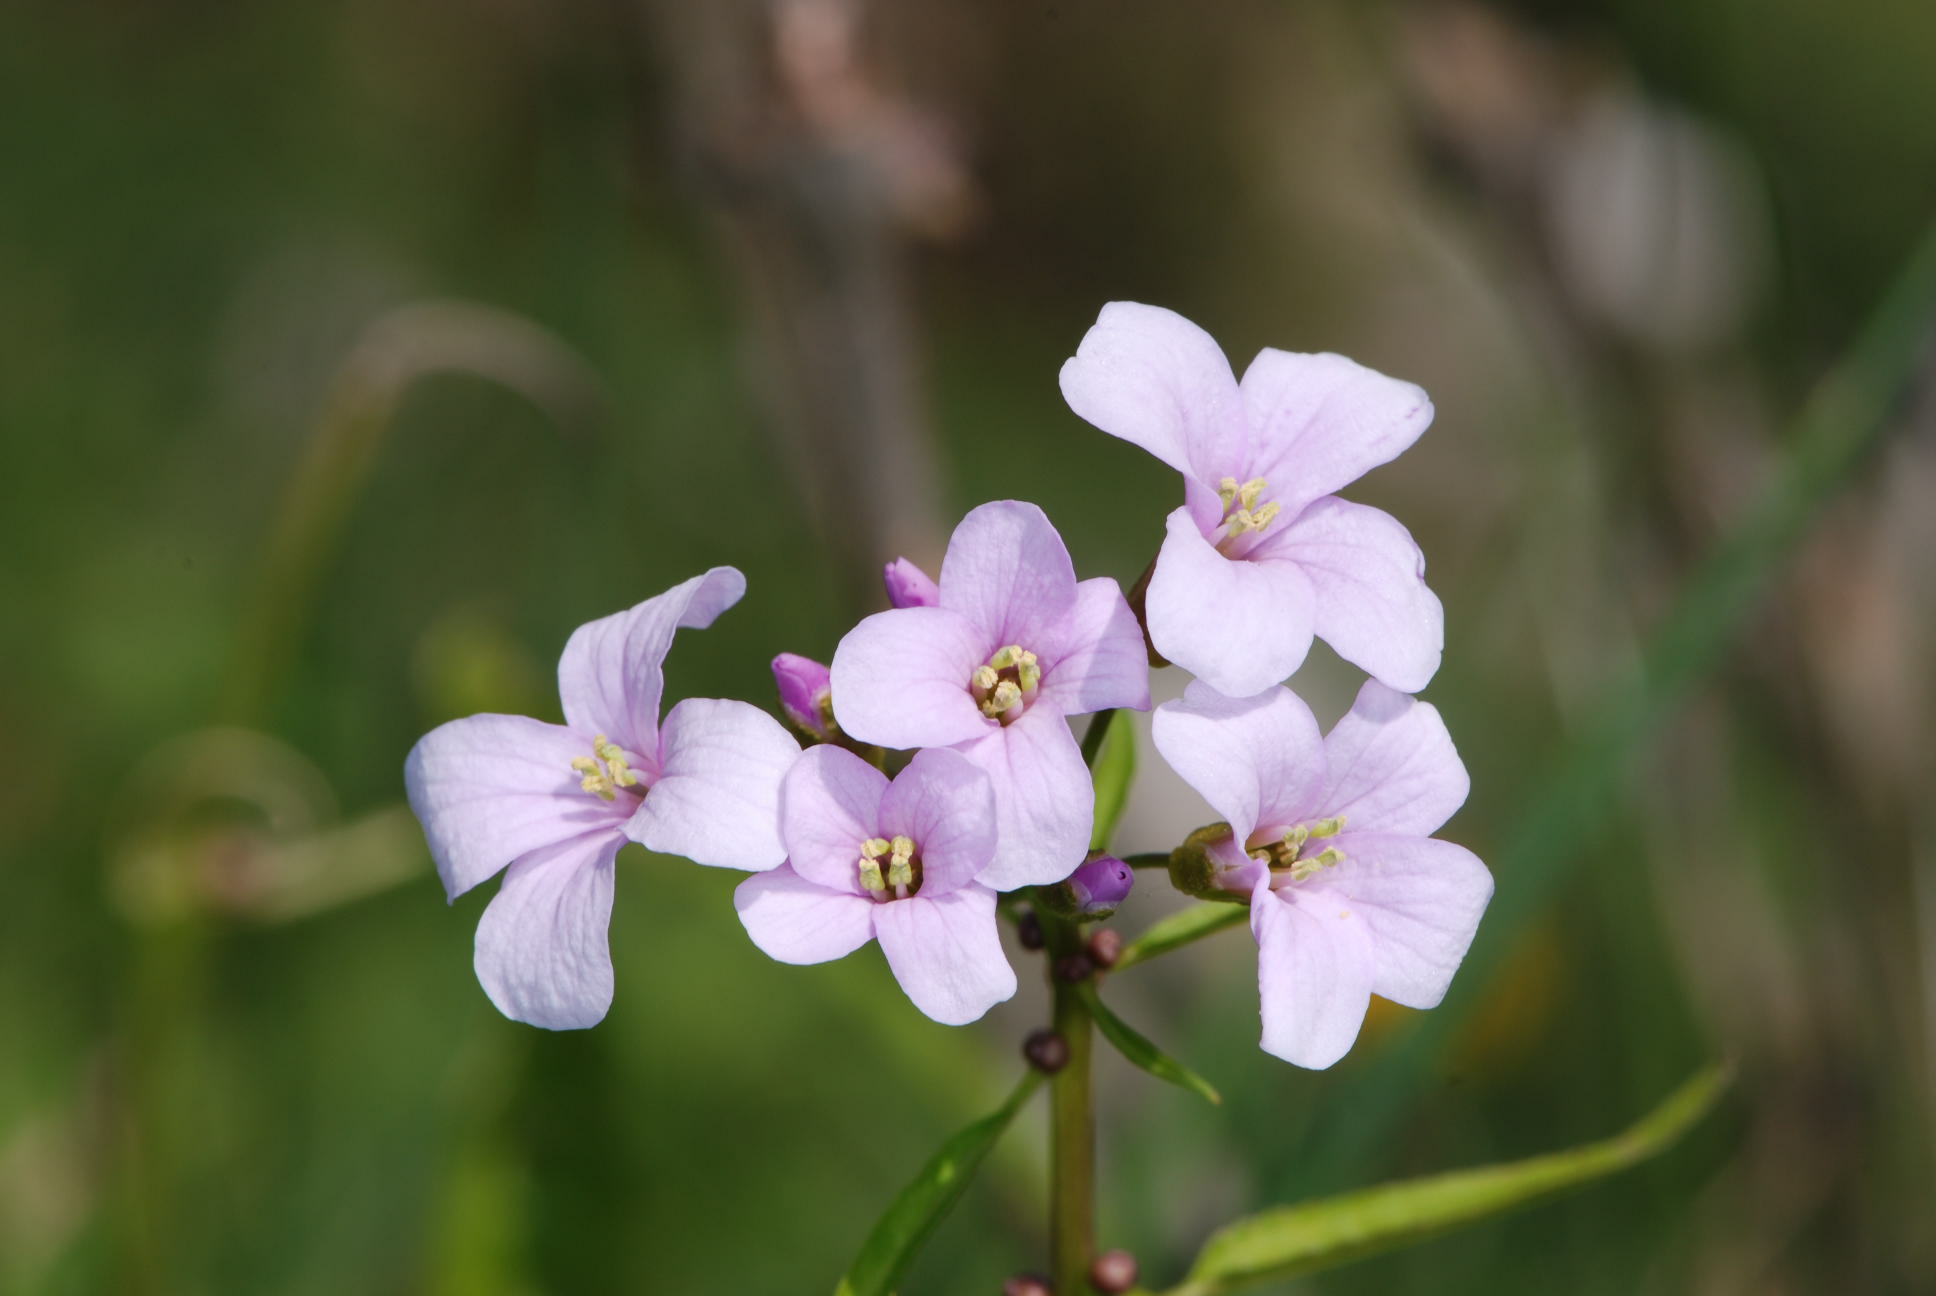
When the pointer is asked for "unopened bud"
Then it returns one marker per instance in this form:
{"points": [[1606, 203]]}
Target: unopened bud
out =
{"points": [[1102, 883], [1113, 1272], [1028, 930], [806, 695], [1074, 967], [1046, 1051], [1105, 947], [1027, 1285], [908, 586]]}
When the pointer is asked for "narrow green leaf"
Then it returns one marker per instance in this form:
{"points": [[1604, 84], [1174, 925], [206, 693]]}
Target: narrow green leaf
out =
{"points": [[1180, 928], [1290, 1241], [899, 1234], [1140, 1051], [1113, 768]]}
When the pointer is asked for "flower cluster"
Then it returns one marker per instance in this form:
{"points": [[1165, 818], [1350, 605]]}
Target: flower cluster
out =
{"points": [[977, 675]]}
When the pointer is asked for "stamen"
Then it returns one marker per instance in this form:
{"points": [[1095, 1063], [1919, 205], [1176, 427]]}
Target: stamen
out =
{"points": [[1247, 493], [1329, 857], [605, 771], [1227, 492], [1009, 677], [1328, 827]]}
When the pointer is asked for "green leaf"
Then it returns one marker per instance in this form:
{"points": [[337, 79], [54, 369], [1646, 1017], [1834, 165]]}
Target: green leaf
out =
{"points": [[1113, 768], [899, 1234], [1140, 1051], [1180, 928], [1290, 1241]]}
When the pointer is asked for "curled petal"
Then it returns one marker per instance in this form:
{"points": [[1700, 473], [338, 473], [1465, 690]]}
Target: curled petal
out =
{"points": [[1320, 422], [1392, 765], [1009, 574], [490, 788], [909, 586], [946, 953], [947, 805], [1156, 380], [901, 679], [542, 950], [1372, 603], [830, 802], [1421, 899], [1237, 624], [1314, 973], [1045, 803], [797, 921], [1097, 658], [1258, 761], [717, 798], [610, 677]]}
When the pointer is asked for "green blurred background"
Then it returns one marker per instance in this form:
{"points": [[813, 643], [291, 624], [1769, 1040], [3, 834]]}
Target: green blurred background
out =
{"points": [[350, 355]]}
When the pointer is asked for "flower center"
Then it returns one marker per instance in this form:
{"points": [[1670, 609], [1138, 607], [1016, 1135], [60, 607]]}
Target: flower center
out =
{"points": [[1242, 517], [606, 770], [1286, 858], [889, 870], [1005, 684]]}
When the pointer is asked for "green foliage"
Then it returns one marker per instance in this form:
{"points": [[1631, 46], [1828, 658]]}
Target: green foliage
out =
{"points": [[1132, 1045], [1180, 928], [1114, 769]]}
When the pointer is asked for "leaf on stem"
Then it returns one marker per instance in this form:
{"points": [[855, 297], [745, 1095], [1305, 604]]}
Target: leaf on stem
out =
{"points": [[1144, 1054], [899, 1234], [1290, 1241], [1180, 928], [1113, 767]]}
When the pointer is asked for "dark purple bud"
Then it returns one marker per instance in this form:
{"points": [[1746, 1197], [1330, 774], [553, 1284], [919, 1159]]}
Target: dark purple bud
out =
{"points": [[1027, 1285], [1028, 930], [806, 695], [908, 586], [1105, 947], [1046, 1051], [1074, 967], [1113, 1272], [1102, 883]]}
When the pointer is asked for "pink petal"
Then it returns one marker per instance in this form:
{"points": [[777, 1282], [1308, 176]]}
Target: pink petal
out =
{"points": [[1044, 801], [797, 921], [1314, 971], [1393, 768], [1096, 660], [1372, 604], [901, 679], [1009, 574], [946, 952], [1239, 625], [1320, 422], [909, 586], [1258, 761], [490, 788], [542, 950], [717, 798], [610, 678], [947, 805], [1421, 899], [830, 802], [1156, 380]]}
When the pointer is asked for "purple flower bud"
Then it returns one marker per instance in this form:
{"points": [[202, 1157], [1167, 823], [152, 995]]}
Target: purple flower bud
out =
{"points": [[1102, 883], [806, 695], [908, 586]]}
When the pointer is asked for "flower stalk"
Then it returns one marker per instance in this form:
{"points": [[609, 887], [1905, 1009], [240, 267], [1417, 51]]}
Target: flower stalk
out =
{"points": [[1072, 1134]]}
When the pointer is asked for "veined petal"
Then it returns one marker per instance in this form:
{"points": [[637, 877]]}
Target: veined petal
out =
{"points": [[542, 950], [1372, 604], [1258, 761], [1314, 971], [1237, 624], [490, 788], [1320, 422], [717, 798], [1421, 899], [830, 802], [946, 952], [1008, 573], [947, 805], [797, 921], [1096, 660], [900, 679], [610, 677], [1045, 803], [1392, 765], [1156, 380]]}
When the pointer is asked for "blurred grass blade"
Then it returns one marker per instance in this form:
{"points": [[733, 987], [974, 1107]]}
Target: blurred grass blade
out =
{"points": [[1290, 1241], [1140, 1051], [1114, 768], [1194, 923], [899, 1234]]}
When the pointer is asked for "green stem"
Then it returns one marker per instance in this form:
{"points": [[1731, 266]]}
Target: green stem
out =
{"points": [[1092, 736], [1072, 1139], [1149, 859]]}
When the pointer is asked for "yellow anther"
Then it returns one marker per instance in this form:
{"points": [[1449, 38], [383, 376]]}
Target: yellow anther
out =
{"points": [[1006, 694], [1247, 493], [875, 847], [584, 765], [1328, 827], [986, 678], [870, 876], [1227, 492], [902, 848], [1294, 839], [900, 865], [1264, 516], [1329, 857]]}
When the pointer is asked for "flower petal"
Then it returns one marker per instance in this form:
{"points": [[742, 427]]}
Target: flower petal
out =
{"points": [[830, 802], [797, 921], [1421, 899], [1156, 380], [1096, 659], [1372, 604], [900, 679], [543, 955], [1008, 572], [717, 798], [490, 788], [1045, 803], [947, 805], [1258, 761], [1393, 768], [1314, 970], [610, 677], [946, 952], [1320, 422], [1237, 624], [909, 586]]}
